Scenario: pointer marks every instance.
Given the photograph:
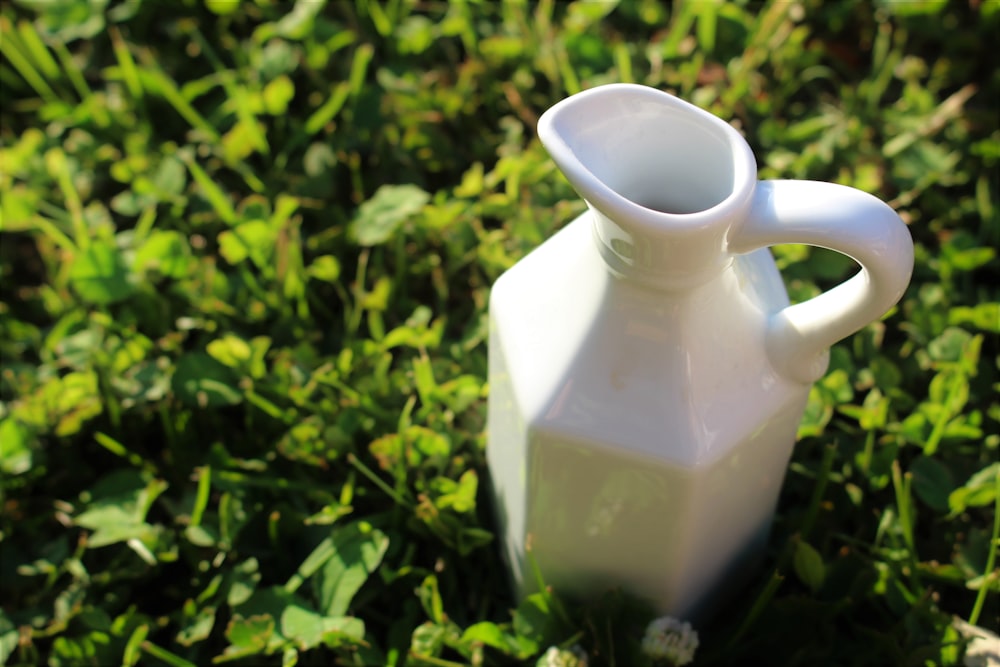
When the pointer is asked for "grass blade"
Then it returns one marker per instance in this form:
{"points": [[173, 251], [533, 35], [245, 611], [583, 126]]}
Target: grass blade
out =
{"points": [[359, 67], [829, 455], [13, 50], [770, 588], [991, 559], [164, 655], [56, 163], [36, 50], [201, 498], [126, 63], [216, 197], [118, 449]]}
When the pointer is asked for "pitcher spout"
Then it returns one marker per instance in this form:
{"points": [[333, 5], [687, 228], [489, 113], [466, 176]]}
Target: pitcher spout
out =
{"points": [[664, 179]]}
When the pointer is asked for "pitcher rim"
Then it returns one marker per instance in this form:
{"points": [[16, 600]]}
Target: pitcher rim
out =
{"points": [[613, 204]]}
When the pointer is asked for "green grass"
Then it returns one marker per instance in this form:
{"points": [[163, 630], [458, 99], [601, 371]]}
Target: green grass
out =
{"points": [[246, 253]]}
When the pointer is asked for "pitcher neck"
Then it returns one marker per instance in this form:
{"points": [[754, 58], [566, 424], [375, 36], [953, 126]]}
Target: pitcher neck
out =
{"points": [[664, 180], [668, 261]]}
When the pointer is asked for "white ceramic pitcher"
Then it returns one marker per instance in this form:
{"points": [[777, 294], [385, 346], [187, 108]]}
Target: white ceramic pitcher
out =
{"points": [[647, 373]]}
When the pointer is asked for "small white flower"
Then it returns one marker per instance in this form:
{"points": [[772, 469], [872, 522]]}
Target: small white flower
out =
{"points": [[670, 640], [556, 657]]}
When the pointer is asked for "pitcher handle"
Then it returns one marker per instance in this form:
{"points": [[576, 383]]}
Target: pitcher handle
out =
{"points": [[839, 218]]}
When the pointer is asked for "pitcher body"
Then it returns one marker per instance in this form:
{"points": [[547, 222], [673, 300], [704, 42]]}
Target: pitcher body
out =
{"points": [[647, 372]]}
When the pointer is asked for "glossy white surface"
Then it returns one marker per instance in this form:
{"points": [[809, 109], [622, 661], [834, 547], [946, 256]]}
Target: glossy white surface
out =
{"points": [[647, 374]]}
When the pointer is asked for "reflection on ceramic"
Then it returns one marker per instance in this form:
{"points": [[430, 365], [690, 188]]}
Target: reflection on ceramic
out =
{"points": [[647, 373]]}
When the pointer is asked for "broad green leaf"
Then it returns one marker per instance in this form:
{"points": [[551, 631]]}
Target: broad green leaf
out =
{"points": [[118, 511], [472, 538], [277, 94], [472, 182], [15, 447], [243, 140], [78, 400], [489, 634], [298, 23], [582, 15], [829, 265], [202, 382], [985, 316], [500, 48], [130, 204], [462, 392], [423, 378], [427, 639], [309, 629], [243, 581], [311, 441], [222, 7], [462, 497], [170, 177], [99, 275], [166, 253], [389, 451], [979, 491], [948, 392], [932, 482], [62, 405], [201, 536], [254, 239], [415, 331], [248, 636], [277, 57], [198, 628], [325, 268], [534, 622], [378, 298], [415, 34], [872, 414], [378, 218], [887, 373], [70, 20], [971, 258], [836, 387], [430, 444], [17, 209], [809, 566], [8, 638], [254, 207], [430, 598], [318, 159], [358, 552], [949, 345], [817, 415], [18, 156], [230, 350]]}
